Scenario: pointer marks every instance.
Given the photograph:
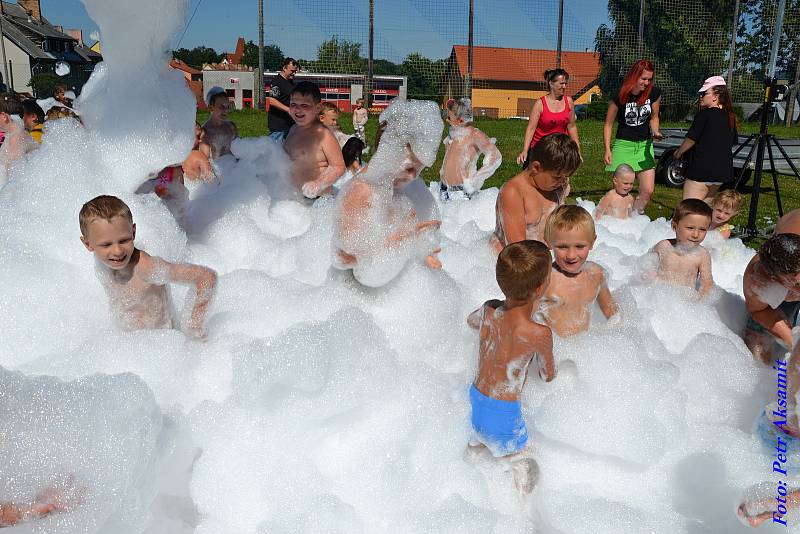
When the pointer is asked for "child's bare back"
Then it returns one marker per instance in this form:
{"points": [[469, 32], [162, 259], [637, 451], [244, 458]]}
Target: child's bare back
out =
{"points": [[567, 305]]}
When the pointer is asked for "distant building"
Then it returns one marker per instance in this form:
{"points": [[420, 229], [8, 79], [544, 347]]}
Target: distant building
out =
{"points": [[33, 46], [236, 57], [194, 80], [239, 82], [507, 81]]}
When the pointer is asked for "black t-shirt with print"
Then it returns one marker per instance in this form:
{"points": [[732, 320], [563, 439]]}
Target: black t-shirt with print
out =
{"points": [[280, 89], [633, 120], [712, 159]]}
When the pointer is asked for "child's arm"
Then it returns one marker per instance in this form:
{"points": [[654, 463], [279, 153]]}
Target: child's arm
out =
{"points": [[475, 319], [604, 299], [333, 153], [512, 215], [544, 350], [204, 281], [601, 208], [706, 278], [491, 161]]}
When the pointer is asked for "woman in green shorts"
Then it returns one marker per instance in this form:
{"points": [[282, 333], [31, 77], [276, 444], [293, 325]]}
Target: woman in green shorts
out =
{"points": [[635, 109]]}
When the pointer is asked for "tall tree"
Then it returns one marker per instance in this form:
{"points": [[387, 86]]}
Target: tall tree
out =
{"points": [[273, 56], [757, 28], [339, 56], [197, 56], [424, 76]]}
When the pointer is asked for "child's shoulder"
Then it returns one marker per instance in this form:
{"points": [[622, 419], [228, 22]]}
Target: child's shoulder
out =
{"points": [[594, 270]]}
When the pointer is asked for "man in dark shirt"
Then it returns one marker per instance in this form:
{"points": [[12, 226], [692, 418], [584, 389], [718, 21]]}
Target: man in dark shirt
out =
{"points": [[278, 119]]}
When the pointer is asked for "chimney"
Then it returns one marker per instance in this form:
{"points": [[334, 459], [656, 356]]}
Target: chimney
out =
{"points": [[33, 7], [76, 33]]}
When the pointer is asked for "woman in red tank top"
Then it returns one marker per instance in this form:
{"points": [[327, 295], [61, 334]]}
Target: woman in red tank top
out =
{"points": [[553, 113]]}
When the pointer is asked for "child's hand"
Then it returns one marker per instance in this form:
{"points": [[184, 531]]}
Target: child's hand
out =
{"points": [[312, 189], [428, 225]]}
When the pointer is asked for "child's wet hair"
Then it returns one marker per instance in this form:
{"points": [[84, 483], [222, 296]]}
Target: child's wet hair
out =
{"points": [[30, 107], [306, 88], [691, 206], [462, 109], [522, 268], [328, 106], [728, 198], [351, 151], [556, 152], [566, 218], [553, 74], [10, 104], [212, 98], [58, 112], [780, 254], [623, 169], [104, 207]]}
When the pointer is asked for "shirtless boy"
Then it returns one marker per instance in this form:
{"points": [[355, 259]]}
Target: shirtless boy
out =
{"points": [[135, 282], [618, 202], [219, 132], [463, 146], [527, 199], [509, 341], [316, 157], [575, 284], [360, 117], [329, 117], [683, 260]]}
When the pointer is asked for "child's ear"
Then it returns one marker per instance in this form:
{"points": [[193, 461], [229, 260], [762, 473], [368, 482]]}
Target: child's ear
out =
{"points": [[133, 228], [86, 244]]}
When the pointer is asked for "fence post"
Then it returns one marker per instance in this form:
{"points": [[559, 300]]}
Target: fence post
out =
{"points": [[732, 54], [640, 43], [468, 82], [260, 74], [368, 99], [560, 32]]}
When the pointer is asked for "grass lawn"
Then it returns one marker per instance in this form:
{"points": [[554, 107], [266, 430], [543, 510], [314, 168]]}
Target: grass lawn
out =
{"points": [[591, 181]]}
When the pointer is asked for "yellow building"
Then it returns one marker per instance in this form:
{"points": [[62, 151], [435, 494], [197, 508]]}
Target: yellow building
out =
{"points": [[507, 81]]}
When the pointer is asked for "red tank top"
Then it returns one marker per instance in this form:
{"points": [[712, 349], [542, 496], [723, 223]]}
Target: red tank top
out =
{"points": [[550, 122]]}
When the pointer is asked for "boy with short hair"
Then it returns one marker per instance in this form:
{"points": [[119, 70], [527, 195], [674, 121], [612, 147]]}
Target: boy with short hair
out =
{"points": [[509, 341], [725, 206], [135, 282], [618, 202], [683, 260], [360, 117], [463, 146], [525, 201], [219, 132], [316, 156], [33, 118], [329, 116], [575, 284]]}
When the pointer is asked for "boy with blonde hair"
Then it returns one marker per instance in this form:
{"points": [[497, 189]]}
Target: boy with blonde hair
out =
{"points": [[360, 117], [618, 202], [683, 260], [725, 206], [509, 341], [575, 284], [329, 117], [135, 282], [316, 156], [525, 201], [463, 146]]}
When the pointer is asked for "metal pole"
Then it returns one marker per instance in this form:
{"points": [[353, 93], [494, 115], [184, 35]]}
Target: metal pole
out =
{"points": [[640, 43], [560, 32], [732, 55], [368, 98], [260, 76], [776, 39], [7, 80], [468, 83]]}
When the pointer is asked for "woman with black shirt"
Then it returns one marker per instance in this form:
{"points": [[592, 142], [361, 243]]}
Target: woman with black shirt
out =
{"points": [[635, 109], [712, 134]]}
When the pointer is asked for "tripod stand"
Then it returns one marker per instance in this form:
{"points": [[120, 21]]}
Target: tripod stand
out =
{"points": [[763, 140]]}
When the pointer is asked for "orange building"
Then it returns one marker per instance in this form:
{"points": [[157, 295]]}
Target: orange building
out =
{"points": [[507, 81]]}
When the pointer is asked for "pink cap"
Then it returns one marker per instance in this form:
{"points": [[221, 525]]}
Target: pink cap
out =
{"points": [[711, 82]]}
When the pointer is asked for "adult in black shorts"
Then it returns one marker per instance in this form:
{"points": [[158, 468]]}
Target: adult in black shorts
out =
{"points": [[712, 134], [278, 119]]}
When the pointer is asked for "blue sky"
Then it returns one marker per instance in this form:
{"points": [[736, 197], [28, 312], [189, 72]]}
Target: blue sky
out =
{"points": [[429, 27]]}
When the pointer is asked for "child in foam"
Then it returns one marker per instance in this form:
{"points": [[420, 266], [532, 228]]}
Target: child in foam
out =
{"points": [[464, 145], [618, 202], [316, 156], [379, 224], [525, 201], [219, 131], [33, 119], [509, 341], [351, 152], [575, 284], [329, 117], [726, 206], [135, 282], [683, 260], [17, 141]]}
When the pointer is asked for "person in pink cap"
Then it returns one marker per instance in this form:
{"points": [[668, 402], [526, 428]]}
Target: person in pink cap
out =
{"points": [[709, 164]]}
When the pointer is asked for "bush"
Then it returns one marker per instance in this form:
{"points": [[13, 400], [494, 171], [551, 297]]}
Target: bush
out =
{"points": [[597, 109], [43, 84]]}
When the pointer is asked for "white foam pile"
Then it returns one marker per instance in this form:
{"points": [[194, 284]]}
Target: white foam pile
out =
{"points": [[319, 405]]}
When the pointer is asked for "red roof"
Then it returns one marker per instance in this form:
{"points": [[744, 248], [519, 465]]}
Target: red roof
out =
{"points": [[180, 65], [524, 64], [236, 57]]}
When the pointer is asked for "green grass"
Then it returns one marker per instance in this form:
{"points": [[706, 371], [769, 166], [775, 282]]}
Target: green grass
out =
{"points": [[591, 181]]}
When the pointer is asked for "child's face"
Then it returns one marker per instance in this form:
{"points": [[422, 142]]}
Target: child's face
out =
{"points": [[59, 95], [329, 118], [547, 180], [30, 120], [111, 241], [571, 248], [359, 104], [303, 109], [453, 120], [623, 184], [220, 107], [722, 214], [691, 229]]}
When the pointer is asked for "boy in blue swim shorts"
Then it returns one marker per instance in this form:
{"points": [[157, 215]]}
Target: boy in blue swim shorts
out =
{"points": [[509, 341]]}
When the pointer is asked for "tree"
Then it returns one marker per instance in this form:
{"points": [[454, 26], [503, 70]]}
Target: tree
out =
{"points": [[44, 83], [754, 47], [339, 56], [197, 56], [424, 76], [273, 56]]}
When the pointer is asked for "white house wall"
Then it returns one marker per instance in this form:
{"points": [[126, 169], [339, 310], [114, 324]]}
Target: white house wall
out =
{"points": [[21, 66], [222, 78]]}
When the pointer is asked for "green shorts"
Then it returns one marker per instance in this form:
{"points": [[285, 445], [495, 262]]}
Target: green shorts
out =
{"points": [[637, 154]]}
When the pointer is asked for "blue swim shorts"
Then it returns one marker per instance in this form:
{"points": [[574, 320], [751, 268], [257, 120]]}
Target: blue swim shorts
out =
{"points": [[499, 424]]}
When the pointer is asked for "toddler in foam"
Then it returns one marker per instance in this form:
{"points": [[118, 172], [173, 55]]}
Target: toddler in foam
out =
{"points": [[135, 282], [509, 341]]}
